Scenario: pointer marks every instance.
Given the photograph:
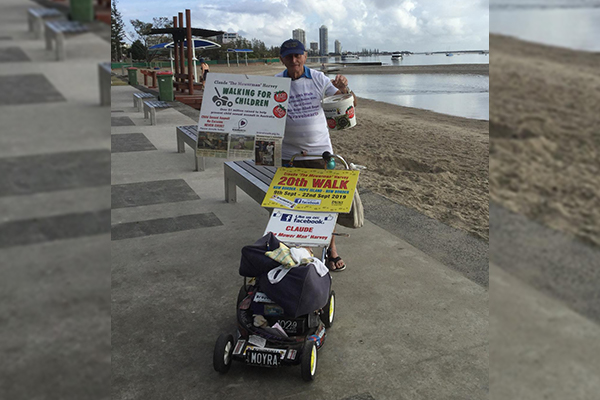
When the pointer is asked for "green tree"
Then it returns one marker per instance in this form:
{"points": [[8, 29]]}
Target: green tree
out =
{"points": [[158, 23], [117, 33], [141, 33], [138, 51]]}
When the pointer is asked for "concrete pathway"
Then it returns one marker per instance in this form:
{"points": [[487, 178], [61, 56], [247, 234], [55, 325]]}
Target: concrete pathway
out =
{"points": [[54, 226]]}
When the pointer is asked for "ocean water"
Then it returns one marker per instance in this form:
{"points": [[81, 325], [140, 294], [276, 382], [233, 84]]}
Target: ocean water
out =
{"points": [[415, 59], [459, 95], [573, 24]]}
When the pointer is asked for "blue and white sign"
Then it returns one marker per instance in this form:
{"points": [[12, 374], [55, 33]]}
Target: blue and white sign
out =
{"points": [[303, 228]]}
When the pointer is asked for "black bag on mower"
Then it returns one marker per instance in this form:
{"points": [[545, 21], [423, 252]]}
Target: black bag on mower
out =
{"points": [[301, 291], [254, 262]]}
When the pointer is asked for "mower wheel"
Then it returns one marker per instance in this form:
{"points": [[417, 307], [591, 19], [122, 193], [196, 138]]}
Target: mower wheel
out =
{"points": [[222, 354]]}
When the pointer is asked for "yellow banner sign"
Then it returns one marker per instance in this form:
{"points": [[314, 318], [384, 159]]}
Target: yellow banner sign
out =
{"points": [[312, 190]]}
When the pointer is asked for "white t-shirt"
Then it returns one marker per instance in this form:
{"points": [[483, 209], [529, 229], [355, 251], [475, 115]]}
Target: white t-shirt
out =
{"points": [[305, 126]]}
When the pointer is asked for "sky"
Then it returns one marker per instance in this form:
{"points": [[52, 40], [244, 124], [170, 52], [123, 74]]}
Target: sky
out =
{"points": [[387, 25]]}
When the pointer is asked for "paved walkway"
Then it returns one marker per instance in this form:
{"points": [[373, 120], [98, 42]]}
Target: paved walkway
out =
{"points": [[54, 226]]}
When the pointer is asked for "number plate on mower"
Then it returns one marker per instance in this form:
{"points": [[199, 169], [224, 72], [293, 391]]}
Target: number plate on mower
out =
{"points": [[293, 327], [263, 358]]}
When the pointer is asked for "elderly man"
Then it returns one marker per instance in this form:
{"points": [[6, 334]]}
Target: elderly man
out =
{"points": [[306, 128]]}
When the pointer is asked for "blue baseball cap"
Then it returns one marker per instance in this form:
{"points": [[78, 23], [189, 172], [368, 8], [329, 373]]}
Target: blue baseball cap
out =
{"points": [[291, 46]]}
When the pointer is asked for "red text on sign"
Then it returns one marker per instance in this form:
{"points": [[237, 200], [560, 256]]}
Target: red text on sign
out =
{"points": [[299, 228], [330, 183], [291, 181]]}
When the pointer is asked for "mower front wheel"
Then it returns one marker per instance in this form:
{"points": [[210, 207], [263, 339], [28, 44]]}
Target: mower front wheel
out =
{"points": [[222, 354], [308, 364]]}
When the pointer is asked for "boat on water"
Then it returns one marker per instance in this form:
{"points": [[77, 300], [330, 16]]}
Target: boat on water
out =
{"points": [[350, 57], [449, 54], [396, 56]]}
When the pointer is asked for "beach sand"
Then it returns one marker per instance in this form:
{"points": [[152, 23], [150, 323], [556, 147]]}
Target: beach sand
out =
{"points": [[544, 123], [434, 163]]}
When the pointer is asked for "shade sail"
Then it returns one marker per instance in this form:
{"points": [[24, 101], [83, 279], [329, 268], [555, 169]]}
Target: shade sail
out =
{"points": [[181, 32], [198, 44]]}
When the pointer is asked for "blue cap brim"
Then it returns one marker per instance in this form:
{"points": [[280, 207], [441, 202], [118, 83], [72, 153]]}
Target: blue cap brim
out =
{"points": [[291, 51]]}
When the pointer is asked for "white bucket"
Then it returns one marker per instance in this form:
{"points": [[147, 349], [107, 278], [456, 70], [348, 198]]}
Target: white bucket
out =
{"points": [[339, 111]]}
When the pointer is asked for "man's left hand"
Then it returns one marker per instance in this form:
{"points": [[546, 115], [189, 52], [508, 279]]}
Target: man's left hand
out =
{"points": [[341, 83]]}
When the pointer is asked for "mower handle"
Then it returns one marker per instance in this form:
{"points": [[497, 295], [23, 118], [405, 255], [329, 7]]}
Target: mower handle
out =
{"points": [[326, 156]]}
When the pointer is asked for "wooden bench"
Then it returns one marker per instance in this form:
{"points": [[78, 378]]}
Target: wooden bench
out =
{"points": [[37, 16], [58, 31], [104, 73], [252, 179], [141, 96], [150, 107], [188, 134], [183, 85]]}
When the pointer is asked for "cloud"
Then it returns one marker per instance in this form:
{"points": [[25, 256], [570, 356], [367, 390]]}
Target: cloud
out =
{"points": [[417, 25], [262, 20]]}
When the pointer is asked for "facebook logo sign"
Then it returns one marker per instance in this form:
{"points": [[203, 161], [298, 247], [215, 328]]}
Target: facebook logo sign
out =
{"points": [[286, 217]]}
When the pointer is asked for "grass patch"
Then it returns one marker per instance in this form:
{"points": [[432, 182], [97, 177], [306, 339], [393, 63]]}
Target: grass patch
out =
{"points": [[115, 81]]}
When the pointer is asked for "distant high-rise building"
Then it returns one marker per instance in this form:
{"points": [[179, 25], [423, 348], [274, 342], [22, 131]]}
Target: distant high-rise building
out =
{"points": [[338, 47], [314, 48], [299, 34], [323, 40]]}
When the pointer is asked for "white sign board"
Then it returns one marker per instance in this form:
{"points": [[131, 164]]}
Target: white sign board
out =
{"points": [[244, 104], [306, 228]]}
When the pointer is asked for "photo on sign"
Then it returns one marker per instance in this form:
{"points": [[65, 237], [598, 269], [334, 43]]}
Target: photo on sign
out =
{"points": [[241, 145], [264, 153], [212, 144], [267, 151]]}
